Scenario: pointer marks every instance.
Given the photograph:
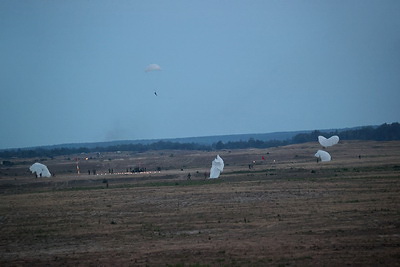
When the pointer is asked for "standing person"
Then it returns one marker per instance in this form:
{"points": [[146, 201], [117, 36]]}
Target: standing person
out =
{"points": [[188, 176]]}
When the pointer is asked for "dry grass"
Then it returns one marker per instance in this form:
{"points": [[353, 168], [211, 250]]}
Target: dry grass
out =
{"points": [[289, 212]]}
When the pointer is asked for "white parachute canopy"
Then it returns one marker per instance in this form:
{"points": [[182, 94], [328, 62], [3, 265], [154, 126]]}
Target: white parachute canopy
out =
{"points": [[333, 140], [40, 169], [323, 155], [152, 67], [217, 167]]}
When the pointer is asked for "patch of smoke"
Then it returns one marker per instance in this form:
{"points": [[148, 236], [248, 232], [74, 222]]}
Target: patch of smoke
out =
{"points": [[117, 132], [129, 130]]}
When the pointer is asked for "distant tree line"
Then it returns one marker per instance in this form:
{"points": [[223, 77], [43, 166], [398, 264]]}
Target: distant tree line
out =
{"points": [[384, 132], [251, 143], [42, 152]]}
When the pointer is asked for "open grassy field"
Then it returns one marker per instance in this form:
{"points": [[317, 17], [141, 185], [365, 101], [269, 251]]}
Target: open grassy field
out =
{"points": [[287, 210]]}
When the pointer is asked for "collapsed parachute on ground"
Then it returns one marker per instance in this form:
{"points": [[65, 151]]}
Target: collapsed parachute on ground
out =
{"points": [[152, 67], [217, 167], [323, 155], [333, 140], [40, 170]]}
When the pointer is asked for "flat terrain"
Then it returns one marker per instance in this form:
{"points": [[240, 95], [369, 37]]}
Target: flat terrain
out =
{"points": [[283, 210]]}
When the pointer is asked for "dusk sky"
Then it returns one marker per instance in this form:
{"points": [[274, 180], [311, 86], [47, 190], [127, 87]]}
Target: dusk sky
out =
{"points": [[74, 71]]}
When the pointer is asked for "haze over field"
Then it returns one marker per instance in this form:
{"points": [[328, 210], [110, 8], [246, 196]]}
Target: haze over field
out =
{"points": [[74, 71]]}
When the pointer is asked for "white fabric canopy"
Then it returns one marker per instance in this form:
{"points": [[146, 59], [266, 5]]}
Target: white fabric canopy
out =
{"points": [[217, 167], [333, 140], [323, 155], [152, 67], [40, 169]]}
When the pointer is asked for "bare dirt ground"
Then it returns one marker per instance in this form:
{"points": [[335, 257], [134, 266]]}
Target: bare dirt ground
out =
{"points": [[287, 210]]}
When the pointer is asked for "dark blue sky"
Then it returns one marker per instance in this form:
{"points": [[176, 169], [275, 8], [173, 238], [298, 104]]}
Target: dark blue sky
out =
{"points": [[73, 71]]}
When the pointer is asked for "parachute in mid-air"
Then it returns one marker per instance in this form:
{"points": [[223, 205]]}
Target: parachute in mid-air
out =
{"points": [[152, 67], [40, 169], [323, 155], [217, 167], [333, 140]]}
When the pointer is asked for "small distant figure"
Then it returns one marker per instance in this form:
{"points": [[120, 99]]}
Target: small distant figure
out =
{"points": [[359, 156], [88, 172], [155, 93], [205, 175], [189, 176]]}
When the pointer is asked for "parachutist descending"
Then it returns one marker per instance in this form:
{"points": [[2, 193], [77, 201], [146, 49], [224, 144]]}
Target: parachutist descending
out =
{"points": [[153, 68]]}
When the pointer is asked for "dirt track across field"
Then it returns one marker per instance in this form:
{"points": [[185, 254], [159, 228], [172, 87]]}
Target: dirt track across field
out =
{"points": [[286, 210]]}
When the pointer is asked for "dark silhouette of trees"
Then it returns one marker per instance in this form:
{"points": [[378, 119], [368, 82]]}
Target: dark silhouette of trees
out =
{"points": [[384, 132], [306, 137]]}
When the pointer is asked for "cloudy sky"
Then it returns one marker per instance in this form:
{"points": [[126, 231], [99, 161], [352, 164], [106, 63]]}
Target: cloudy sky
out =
{"points": [[73, 71]]}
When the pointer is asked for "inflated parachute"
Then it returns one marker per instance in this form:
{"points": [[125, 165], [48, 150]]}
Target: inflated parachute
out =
{"points": [[152, 67], [217, 167], [333, 140], [323, 155], [40, 170]]}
